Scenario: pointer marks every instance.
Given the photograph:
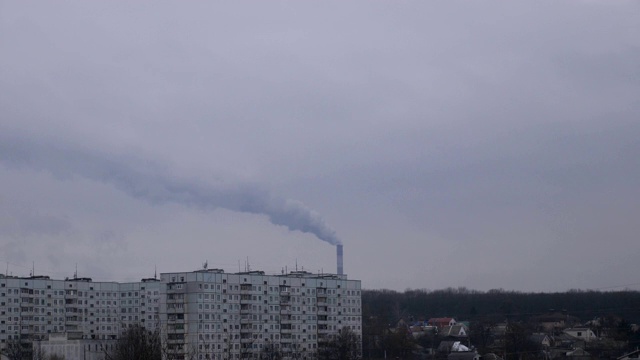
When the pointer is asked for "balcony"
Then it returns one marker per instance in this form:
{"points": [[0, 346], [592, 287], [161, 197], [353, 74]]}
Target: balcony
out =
{"points": [[175, 341], [176, 330], [175, 290], [175, 321]]}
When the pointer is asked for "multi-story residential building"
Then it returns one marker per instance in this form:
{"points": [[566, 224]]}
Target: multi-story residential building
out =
{"points": [[34, 307], [204, 314], [210, 314]]}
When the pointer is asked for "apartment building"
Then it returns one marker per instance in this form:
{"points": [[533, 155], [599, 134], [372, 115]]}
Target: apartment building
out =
{"points": [[204, 314], [210, 314], [32, 308]]}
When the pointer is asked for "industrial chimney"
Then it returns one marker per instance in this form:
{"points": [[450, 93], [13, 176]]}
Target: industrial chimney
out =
{"points": [[339, 258]]}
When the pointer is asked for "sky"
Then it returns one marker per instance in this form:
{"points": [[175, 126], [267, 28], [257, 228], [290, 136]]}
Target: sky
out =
{"points": [[487, 145]]}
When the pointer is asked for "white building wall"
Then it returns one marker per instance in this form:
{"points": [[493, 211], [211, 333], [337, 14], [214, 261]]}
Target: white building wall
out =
{"points": [[33, 308], [210, 314], [76, 349]]}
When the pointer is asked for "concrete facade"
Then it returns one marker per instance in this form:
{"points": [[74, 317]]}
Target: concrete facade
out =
{"points": [[36, 308], [70, 347], [214, 315], [205, 314]]}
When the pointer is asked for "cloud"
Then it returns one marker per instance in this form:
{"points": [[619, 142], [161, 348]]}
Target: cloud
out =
{"points": [[499, 137], [19, 222]]}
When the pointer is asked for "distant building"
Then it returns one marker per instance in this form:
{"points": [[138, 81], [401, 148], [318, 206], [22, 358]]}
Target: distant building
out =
{"points": [[441, 322], [581, 333], [33, 308], [542, 340], [457, 331], [555, 321]]}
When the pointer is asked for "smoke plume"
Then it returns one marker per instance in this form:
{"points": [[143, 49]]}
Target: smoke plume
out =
{"points": [[142, 181]]}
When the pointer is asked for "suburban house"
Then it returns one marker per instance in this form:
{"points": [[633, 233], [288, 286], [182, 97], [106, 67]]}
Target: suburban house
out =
{"points": [[457, 331], [541, 340], [581, 333], [445, 346], [555, 321], [565, 341], [419, 330], [441, 322]]}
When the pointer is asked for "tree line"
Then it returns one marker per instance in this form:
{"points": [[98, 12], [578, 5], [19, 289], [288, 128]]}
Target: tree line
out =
{"points": [[465, 304]]}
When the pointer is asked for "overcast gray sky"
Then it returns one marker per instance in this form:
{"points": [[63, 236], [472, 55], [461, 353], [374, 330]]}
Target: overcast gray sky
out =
{"points": [[445, 143]]}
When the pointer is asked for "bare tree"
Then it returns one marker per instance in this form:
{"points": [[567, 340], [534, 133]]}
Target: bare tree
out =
{"points": [[181, 351], [270, 352], [38, 352], [481, 332], [345, 346], [137, 343], [15, 350]]}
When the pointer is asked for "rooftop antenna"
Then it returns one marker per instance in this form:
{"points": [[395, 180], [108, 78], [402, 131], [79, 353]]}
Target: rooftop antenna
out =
{"points": [[75, 274], [7, 272], [33, 268], [155, 271], [296, 265]]}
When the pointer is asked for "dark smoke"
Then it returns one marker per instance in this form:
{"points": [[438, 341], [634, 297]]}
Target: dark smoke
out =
{"points": [[143, 182]]}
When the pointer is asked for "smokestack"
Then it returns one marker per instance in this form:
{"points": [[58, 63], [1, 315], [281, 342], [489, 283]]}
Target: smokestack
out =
{"points": [[339, 258]]}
